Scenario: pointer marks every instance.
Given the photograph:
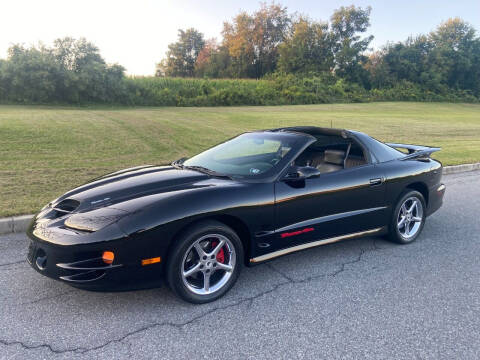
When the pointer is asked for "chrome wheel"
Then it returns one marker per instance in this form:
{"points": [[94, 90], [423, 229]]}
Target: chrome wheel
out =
{"points": [[208, 264], [410, 217]]}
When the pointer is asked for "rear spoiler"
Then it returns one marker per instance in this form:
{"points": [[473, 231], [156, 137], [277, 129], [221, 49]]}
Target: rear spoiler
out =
{"points": [[415, 151]]}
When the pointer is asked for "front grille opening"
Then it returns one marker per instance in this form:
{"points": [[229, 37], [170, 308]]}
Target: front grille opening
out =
{"points": [[41, 260], [67, 205], [83, 277]]}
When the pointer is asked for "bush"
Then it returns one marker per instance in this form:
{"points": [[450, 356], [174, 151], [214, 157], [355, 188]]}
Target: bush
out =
{"points": [[280, 89]]}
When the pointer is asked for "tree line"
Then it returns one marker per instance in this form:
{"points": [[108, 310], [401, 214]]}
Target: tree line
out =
{"points": [[271, 41], [268, 57]]}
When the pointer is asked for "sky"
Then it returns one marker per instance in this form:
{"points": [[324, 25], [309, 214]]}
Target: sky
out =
{"points": [[136, 33]]}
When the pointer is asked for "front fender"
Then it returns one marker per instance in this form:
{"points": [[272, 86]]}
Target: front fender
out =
{"points": [[160, 217]]}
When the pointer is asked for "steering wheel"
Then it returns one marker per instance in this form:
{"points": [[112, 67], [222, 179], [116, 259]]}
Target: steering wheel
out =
{"points": [[277, 157], [274, 161]]}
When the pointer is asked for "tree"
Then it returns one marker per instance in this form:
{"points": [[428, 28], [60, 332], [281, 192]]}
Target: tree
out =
{"points": [[182, 55], [85, 74], [75, 55], [252, 40], [447, 58], [347, 23], [307, 48], [30, 74], [379, 72], [204, 58], [409, 61], [71, 71], [3, 84], [454, 34], [270, 26], [238, 40], [455, 54]]}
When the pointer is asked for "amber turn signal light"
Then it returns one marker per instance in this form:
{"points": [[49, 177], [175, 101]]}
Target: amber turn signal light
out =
{"points": [[108, 257], [151, 261]]}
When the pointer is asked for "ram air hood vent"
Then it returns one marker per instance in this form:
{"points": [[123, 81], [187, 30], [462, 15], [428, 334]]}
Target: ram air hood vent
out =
{"points": [[126, 185], [67, 205]]}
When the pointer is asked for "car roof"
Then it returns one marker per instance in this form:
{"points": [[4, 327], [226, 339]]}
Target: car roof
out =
{"points": [[313, 130], [379, 151]]}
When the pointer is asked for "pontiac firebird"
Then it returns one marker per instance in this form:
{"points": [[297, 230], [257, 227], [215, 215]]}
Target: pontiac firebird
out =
{"points": [[260, 195]]}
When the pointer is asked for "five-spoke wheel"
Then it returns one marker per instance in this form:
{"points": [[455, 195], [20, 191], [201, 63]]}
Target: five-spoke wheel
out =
{"points": [[408, 217], [208, 264], [205, 262]]}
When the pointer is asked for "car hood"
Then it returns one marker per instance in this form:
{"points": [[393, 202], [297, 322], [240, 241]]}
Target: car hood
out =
{"points": [[129, 184]]}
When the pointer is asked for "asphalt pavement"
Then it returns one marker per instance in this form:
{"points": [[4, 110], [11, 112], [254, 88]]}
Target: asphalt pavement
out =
{"points": [[363, 298]]}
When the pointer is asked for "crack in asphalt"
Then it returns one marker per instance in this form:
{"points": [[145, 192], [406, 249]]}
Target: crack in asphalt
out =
{"points": [[48, 297], [332, 274], [281, 273], [14, 263], [83, 350], [249, 300]]}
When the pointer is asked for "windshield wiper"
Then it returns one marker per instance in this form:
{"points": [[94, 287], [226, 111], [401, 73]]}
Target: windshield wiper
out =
{"points": [[206, 171], [178, 164]]}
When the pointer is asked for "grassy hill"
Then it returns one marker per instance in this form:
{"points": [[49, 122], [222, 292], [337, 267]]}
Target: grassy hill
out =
{"points": [[45, 151]]}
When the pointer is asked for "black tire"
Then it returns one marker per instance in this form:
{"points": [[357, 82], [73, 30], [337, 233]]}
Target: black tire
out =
{"points": [[399, 236], [184, 247]]}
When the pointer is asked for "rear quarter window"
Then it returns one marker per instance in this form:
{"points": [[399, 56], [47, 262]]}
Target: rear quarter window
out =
{"points": [[383, 152]]}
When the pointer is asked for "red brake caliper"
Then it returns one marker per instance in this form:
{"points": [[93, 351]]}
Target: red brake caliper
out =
{"points": [[221, 254]]}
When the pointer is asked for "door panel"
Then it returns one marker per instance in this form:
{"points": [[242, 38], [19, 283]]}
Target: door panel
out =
{"points": [[336, 203]]}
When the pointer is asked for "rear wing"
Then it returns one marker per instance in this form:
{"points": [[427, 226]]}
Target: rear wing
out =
{"points": [[415, 151]]}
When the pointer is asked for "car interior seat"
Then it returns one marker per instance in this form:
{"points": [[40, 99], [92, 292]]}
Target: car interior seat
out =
{"points": [[333, 160], [354, 160]]}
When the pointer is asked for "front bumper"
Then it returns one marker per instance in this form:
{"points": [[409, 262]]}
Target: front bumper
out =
{"points": [[55, 254], [49, 260]]}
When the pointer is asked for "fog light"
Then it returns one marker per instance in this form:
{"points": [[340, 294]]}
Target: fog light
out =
{"points": [[108, 257]]}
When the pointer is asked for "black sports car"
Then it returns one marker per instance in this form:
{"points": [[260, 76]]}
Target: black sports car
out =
{"points": [[250, 199]]}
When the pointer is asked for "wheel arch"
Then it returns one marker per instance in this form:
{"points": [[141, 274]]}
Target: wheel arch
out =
{"points": [[236, 224], [421, 187], [393, 233]]}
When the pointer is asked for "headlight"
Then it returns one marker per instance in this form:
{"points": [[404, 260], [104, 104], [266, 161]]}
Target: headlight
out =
{"points": [[94, 220]]}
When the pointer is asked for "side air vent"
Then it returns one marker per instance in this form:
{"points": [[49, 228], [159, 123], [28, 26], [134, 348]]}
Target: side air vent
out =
{"points": [[67, 205]]}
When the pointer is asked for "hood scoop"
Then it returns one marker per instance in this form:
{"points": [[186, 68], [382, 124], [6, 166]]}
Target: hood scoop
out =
{"points": [[59, 210], [134, 184], [67, 206]]}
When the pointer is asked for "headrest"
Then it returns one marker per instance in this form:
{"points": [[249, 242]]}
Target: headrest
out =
{"points": [[334, 156]]}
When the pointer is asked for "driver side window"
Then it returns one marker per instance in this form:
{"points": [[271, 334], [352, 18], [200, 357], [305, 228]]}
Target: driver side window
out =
{"points": [[330, 155]]}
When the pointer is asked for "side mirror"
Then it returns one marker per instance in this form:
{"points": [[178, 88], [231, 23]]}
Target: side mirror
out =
{"points": [[308, 172], [302, 173]]}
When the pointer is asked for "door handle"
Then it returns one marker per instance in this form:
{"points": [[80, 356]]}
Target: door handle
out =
{"points": [[376, 181]]}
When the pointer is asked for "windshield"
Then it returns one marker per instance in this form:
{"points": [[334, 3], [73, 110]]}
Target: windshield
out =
{"points": [[247, 155]]}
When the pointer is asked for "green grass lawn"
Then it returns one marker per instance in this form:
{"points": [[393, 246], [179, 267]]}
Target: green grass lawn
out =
{"points": [[45, 151]]}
